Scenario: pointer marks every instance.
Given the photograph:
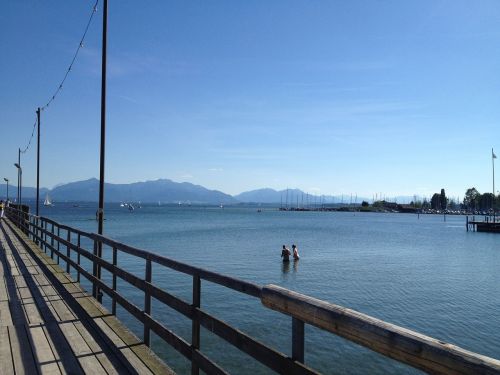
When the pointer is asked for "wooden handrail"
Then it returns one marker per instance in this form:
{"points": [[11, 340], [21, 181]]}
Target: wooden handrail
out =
{"points": [[404, 345]]}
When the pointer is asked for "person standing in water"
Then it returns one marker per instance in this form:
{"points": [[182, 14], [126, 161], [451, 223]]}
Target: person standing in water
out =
{"points": [[295, 253], [285, 254]]}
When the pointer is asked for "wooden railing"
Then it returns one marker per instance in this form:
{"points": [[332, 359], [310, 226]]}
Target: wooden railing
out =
{"points": [[403, 345]]}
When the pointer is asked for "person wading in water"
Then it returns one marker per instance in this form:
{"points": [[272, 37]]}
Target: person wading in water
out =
{"points": [[285, 254]]}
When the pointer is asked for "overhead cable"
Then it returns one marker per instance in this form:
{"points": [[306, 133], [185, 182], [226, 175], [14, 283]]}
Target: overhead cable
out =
{"points": [[80, 45]]}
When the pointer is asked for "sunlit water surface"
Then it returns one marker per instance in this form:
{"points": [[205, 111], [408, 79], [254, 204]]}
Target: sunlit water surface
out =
{"points": [[424, 274]]}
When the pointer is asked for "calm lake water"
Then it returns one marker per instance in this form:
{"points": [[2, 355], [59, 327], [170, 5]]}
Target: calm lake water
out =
{"points": [[420, 273]]}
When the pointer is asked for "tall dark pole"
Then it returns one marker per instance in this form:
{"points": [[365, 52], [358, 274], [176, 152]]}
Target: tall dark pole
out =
{"points": [[103, 115], [98, 249], [38, 162], [19, 177]]}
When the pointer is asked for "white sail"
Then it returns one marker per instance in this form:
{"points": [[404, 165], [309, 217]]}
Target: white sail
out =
{"points": [[47, 201]]}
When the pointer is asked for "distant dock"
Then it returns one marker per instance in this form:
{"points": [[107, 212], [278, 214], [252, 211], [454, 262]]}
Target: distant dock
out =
{"points": [[489, 224]]}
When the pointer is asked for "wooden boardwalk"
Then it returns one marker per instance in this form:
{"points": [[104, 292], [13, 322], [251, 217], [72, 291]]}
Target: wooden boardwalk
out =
{"points": [[49, 325]]}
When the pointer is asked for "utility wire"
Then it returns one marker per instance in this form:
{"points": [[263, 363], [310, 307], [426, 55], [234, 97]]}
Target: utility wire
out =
{"points": [[80, 45], [59, 88], [31, 138]]}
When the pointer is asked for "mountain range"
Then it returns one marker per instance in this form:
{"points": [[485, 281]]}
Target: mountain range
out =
{"points": [[168, 191]]}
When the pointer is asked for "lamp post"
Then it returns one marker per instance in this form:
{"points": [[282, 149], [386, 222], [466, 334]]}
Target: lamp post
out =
{"points": [[20, 181], [19, 187], [100, 212], [7, 181], [38, 162]]}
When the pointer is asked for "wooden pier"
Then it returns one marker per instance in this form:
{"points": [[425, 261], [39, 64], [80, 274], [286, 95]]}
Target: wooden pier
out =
{"points": [[489, 224], [50, 324]]}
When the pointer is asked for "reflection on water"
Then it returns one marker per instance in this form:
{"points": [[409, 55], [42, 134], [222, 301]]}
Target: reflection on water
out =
{"points": [[285, 268], [296, 265]]}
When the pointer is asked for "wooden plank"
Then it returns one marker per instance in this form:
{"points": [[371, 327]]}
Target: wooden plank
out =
{"points": [[46, 360], [124, 348], [406, 346], [22, 355], [90, 364], [5, 316], [4, 295], [6, 363], [32, 313], [106, 363]]}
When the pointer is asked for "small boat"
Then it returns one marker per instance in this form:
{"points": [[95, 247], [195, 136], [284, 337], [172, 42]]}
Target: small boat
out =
{"points": [[47, 201], [130, 207]]}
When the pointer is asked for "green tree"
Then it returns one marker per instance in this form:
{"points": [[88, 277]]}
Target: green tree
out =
{"points": [[436, 201], [442, 200], [471, 198], [486, 201]]}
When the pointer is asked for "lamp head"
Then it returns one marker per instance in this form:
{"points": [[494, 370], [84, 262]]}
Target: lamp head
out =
{"points": [[6, 179], [17, 165]]}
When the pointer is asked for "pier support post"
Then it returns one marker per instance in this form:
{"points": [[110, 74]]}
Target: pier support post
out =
{"points": [[94, 272], [147, 303], [115, 261], [195, 340], [297, 340], [68, 254]]}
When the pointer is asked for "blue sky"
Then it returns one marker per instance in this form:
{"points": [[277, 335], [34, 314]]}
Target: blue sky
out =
{"points": [[362, 97]]}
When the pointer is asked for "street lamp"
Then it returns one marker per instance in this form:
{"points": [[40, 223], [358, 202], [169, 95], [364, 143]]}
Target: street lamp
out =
{"points": [[7, 181], [20, 182]]}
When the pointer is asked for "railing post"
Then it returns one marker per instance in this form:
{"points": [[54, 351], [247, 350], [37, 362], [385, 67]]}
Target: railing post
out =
{"points": [[147, 303], [44, 235], [98, 267], [58, 242], [195, 340], [68, 238], [297, 340], [52, 242], [113, 302], [94, 271], [37, 232], [78, 259]]}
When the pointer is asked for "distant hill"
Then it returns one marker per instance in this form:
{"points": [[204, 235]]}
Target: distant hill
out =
{"points": [[27, 192], [163, 190], [168, 191]]}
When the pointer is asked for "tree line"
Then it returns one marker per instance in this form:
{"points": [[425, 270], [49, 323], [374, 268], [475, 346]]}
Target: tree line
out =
{"points": [[473, 200]]}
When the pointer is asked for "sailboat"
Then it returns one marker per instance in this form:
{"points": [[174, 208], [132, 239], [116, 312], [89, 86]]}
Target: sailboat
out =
{"points": [[47, 201]]}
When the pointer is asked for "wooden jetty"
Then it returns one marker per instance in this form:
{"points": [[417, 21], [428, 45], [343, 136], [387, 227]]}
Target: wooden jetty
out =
{"points": [[50, 324], [489, 224]]}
